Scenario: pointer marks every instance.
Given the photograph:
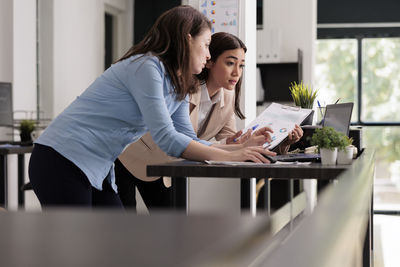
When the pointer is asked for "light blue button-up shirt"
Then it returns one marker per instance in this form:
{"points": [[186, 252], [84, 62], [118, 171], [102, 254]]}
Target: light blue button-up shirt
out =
{"points": [[130, 98]]}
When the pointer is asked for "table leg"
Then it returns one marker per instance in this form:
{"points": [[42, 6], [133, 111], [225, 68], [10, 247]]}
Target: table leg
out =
{"points": [[21, 180], [291, 203], [3, 182], [248, 199], [321, 185], [253, 199], [368, 241], [180, 193], [268, 193], [244, 195]]}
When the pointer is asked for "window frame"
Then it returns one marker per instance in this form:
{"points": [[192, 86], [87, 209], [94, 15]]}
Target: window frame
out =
{"points": [[360, 32]]}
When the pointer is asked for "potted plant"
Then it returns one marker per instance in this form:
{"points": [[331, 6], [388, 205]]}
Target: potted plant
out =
{"points": [[26, 127], [328, 140], [303, 96], [345, 150]]}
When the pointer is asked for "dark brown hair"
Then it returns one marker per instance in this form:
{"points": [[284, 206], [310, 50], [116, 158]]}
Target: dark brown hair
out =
{"points": [[221, 42], [168, 39]]}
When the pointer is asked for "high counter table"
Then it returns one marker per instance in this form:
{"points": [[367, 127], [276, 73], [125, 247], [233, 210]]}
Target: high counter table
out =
{"points": [[181, 170], [358, 177], [4, 152]]}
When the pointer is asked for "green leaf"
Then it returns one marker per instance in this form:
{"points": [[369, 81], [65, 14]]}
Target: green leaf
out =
{"points": [[327, 137], [303, 95]]}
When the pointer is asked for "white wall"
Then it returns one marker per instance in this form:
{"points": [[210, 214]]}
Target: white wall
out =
{"points": [[46, 51], [292, 25], [24, 56], [77, 45], [24, 88], [78, 34], [6, 52], [247, 33], [6, 43], [6, 58]]}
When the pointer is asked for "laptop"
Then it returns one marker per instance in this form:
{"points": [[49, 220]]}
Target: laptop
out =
{"points": [[337, 116]]}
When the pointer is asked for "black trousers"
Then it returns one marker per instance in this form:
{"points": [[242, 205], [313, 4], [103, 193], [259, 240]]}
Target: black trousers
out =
{"points": [[57, 181], [155, 195]]}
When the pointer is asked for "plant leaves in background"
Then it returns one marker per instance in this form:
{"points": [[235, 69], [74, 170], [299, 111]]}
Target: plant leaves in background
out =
{"points": [[303, 95]]}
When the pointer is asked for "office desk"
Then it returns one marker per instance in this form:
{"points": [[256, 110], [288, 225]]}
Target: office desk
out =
{"points": [[181, 170], [356, 181], [4, 152]]}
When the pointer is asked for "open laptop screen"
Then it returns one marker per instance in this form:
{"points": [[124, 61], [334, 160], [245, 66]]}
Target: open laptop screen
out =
{"points": [[338, 116]]}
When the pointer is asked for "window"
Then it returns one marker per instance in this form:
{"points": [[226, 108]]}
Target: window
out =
{"points": [[380, 80], [336, 72], [366, 71]]}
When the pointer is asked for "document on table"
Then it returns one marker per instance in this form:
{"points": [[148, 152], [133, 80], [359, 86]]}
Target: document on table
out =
{"points": [[281, 119], [8, 146], [241, 163], [232, 163]]}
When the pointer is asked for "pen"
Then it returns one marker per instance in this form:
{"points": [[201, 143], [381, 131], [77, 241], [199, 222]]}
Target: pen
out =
{"points": [[320, 108], [337, 101], [252, 128]]}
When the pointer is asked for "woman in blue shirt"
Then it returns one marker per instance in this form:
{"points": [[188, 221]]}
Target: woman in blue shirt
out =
{"points": [[146, 90]]}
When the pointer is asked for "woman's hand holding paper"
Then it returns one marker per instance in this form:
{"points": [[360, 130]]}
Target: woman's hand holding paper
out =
{"points": [[251, 138], [294, 136]]}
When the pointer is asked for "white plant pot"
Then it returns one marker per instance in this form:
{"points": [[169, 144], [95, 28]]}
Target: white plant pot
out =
{"points": [[328, 156], [345, 156]]}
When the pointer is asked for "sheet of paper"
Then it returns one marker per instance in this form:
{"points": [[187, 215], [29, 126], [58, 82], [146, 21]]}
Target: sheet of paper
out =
{"points": [[241, 163], [232, 163], [281, 119]]}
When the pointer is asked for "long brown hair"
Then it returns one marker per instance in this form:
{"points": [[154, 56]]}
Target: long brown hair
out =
{"points": [[168, 39], [220, 42]]}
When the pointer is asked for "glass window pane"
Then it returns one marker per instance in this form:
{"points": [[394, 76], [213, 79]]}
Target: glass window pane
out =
{"points": [[386, 142], [336, 72], [381, 80]]}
